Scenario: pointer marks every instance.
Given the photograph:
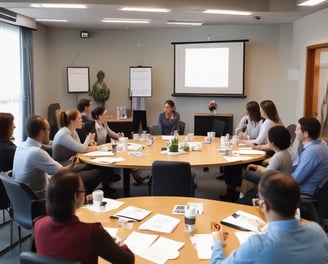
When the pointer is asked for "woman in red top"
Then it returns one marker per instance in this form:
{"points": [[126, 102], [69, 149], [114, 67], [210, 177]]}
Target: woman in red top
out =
{"points": [[62, 235]]}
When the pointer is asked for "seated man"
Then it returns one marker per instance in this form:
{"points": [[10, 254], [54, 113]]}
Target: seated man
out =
{"points": [[312, 167], [32, 163], [287, 239]]}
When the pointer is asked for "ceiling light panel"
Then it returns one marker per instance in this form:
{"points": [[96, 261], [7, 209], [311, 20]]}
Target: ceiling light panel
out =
{"points": [[227, 12], [310, 2], [78, 6], [139, 9], [126, 20]]}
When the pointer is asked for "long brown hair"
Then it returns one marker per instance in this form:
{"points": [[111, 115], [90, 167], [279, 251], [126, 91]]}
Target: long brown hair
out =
{"points": [[68, 116], [6, 122], [60, 195], [270, 109]]}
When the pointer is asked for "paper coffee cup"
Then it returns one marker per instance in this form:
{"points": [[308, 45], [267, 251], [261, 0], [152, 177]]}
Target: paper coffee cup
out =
{"points": [[97, 197]]}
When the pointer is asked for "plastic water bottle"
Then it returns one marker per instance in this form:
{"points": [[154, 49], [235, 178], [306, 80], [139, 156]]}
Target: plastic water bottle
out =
{"points": [[190, 219]]}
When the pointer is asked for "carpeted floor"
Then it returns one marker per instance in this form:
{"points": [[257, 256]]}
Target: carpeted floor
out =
{"points": [[208, 187]]}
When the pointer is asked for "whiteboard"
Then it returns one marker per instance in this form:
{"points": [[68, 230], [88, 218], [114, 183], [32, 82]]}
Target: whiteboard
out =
{"points": [[78, 79], [140, 81]]}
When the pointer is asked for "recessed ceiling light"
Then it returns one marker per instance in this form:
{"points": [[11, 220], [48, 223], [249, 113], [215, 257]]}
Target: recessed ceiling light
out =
{"points": [[59, 5], [126, 20], [227, 12], [140, 9], [187, 23], [50, 20], [310, 2]]}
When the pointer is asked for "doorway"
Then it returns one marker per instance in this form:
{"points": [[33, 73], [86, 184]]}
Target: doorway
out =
{"points": [[316, 85]]}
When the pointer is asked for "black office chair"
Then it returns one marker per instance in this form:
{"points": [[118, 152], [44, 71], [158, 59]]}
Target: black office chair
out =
{"points": [[171, 178], [4, 202], [25, 205], [316, 208], [182, 126], [34, 258], [154, 130]]}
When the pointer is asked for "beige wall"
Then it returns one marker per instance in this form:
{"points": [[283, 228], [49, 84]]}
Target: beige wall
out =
{"points": [[270, 53]]}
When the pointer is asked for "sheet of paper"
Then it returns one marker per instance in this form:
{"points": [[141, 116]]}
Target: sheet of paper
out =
{"points": [[107, 160], [167, 137], [98, 153], [243, 236], [111, 204], [133, 212], [136, 153], [160, 223], [203, 244], [162, 250], [138, 242], [251, 152], [180, 209], [135, 147]]}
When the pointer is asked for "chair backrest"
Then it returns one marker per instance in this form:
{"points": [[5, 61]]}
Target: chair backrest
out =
{"points": [[4, 200], [34, 258], [291, 129], [218, 127], [182, 126], [24, 203], [154, 130], [171, 178], [321, 197], [52, 118], [57, 117]]}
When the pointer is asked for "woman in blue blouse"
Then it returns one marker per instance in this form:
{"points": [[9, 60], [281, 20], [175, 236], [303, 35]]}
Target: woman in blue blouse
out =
{"points": [[168, 121]]}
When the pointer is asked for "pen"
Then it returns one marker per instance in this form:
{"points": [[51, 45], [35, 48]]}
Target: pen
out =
{"points": [[129, 220]]}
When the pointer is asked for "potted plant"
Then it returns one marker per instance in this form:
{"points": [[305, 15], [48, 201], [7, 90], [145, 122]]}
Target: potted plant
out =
{"points": [[100, 93]]}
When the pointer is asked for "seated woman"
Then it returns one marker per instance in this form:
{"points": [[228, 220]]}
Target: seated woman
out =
{"points": [[67, 143], [103, 134], [7, 147], [168, 121], [283, 160], [249, 126], [60, 234], [271, 118]]}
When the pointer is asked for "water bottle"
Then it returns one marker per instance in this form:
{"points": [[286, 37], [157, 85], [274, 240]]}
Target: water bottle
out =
{"points": [[190, 219]]}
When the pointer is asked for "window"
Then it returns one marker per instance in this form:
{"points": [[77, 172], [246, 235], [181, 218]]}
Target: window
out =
{"points": [[10, 75]]}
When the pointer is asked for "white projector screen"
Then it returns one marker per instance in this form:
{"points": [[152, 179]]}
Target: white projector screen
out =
{"points": [[213, 68]]}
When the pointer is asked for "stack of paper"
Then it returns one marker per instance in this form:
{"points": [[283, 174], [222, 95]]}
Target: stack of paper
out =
{"points": [[160, 223], [203, 244], [107, 160], [135, 147], [244, 221]]}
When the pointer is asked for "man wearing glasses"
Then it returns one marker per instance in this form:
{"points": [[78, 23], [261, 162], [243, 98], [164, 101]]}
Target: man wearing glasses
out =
{"points": [[287, 239]]}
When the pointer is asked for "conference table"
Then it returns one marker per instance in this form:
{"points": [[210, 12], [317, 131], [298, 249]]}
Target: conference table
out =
{"points": [[209, 154], [213, 211]]}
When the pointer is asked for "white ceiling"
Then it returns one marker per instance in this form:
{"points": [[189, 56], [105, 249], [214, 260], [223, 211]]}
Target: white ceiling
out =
{"points": [[263, 12]]}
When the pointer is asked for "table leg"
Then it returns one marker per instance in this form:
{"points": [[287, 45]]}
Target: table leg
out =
{"points": [[126, 182]]}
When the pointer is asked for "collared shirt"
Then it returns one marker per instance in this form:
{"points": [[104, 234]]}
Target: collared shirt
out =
{"points": [[32, 165], [287, 241], [101, 133], [312, 166], [252, 127]]}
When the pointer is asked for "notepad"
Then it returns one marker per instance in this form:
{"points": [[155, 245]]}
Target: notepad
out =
{"points": [[132, 212]]}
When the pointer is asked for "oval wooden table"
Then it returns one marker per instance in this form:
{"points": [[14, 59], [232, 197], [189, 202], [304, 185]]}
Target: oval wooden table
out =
{"points": [[207, 156], [213, 211]]}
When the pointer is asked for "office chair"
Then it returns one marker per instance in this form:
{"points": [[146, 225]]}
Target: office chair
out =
{"points": [[316, 207], [25, 205], [52, 119], [182, 126], [34, 258], [4, 202], [291, 129], [154, 130], [171, 178]]}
